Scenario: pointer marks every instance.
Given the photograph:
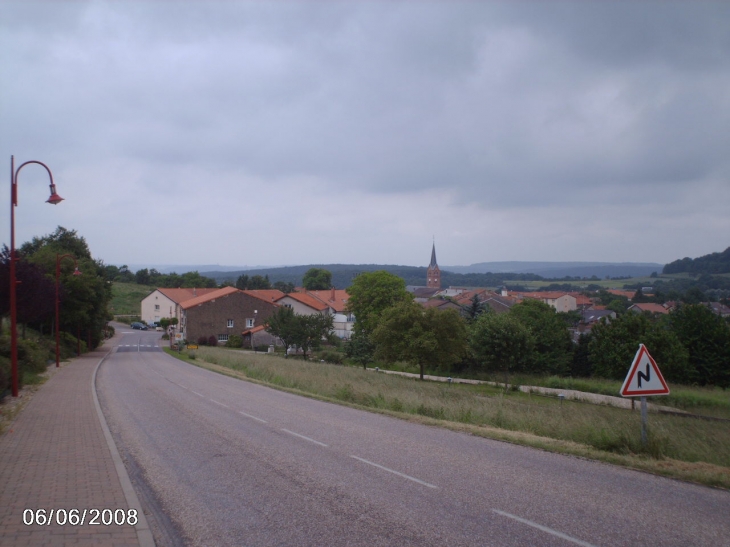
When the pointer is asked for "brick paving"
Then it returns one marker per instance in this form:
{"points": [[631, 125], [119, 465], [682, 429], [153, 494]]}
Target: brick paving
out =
{"points": [[55, 456]]}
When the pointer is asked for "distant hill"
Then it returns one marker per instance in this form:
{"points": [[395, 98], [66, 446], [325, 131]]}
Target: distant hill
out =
{"points": [[559, 270], [343, 274], [715, 263]]}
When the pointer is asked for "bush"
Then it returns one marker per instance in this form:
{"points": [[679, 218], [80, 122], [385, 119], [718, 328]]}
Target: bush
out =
{"points": [[234, 341], [191, 355], [202, 341], [32, 359], [212, 340], [4, 377], [333, 357]]}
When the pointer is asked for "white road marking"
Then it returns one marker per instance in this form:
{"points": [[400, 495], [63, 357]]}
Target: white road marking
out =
{"points": [[544, 529], [219, 403], [198, 394], [395, 472], [252, 417], [303, 437]]}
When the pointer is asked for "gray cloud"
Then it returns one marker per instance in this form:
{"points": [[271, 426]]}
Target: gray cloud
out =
{"points": [[502, 106]]}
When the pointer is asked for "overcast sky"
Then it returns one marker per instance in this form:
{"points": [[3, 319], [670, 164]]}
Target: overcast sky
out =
{"points": [[303, 132]]}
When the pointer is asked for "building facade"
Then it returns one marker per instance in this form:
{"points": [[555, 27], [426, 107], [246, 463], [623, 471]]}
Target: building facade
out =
{"points": [[222, 313], [433, 274]]}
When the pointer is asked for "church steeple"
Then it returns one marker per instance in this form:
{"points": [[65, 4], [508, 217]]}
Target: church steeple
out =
{"points": [[433, 275]]}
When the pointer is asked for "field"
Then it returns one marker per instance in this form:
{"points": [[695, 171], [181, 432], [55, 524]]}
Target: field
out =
{"points": [[127, 298], [688, 448]]}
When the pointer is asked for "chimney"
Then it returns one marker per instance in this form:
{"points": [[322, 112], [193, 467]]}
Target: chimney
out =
{"points": [[195, 292], [332, 296]]}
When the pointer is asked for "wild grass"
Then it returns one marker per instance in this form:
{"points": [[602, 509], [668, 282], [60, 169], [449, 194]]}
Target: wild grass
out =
{"points": [[595, 429], [126, 298]]}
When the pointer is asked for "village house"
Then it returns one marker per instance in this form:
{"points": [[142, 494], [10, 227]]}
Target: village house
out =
{"points": [[648, 307], [331, 301], [223, 312], [166, 303]]}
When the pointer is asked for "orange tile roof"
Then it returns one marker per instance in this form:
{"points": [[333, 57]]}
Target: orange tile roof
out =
{"points": [[618, 292], [307, 300], [180, 295], [339, 303], [650, 307], [268, 295], [218, 293]]}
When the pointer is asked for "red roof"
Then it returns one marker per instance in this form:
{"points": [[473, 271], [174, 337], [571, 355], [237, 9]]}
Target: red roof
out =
{"points": [[268, 295], [338, 303], [180, 295], [218, 293], [307, 300], [650, 307]]}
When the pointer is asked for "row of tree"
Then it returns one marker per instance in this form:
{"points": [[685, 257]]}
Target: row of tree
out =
{"points": [[83, 298], [691, 345]]}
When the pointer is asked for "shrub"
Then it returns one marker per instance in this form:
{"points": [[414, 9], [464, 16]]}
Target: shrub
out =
{"points": [[191, 355], [212, 340], [333, 357], [202, 341], [234, 341]]}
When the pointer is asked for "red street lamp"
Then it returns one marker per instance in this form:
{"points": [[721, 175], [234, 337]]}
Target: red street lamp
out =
{"points": [[59, 258], [53, 200]]}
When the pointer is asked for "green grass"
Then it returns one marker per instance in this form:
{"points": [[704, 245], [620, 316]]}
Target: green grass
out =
{"points": [[691, 449], [127, 298]]}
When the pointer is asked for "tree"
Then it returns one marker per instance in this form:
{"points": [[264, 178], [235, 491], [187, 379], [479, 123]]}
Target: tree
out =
{"points": [[35, 292], [302, 331], [283, 324], [373, 292], [312, 329], [475, 308], [613, 346], [317, 279], [407, 332], [242, 282], [553, 345], [706, 336], [142, 277], [500, 342], [360, 349], [258, 282], [84, 298], [284, 287]]}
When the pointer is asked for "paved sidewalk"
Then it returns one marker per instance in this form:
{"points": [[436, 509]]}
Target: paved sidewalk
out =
{"points": [[55, 456]]}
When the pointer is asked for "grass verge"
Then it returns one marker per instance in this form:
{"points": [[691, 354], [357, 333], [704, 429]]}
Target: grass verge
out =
{"points": [[687, 449]]}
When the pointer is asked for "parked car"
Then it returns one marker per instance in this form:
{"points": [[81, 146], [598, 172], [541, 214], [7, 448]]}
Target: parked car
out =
{"points": [[140, 326]]}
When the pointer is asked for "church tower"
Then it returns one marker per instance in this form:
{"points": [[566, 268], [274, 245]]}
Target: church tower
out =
{"points": [[433, 275]]}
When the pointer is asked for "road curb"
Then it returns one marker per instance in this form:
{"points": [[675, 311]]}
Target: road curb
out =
{"points": [[144, 534]]}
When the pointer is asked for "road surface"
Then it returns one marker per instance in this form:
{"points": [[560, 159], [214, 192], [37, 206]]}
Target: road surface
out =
{"points": [[219, 461]]}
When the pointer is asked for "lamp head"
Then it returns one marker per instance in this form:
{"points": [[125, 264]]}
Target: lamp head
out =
{"points": [[76, 271], [55, 199]]}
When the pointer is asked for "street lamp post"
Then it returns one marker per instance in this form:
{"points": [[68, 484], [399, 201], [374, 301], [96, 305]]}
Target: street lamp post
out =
{"points": [[59, 258], [53, 200]]}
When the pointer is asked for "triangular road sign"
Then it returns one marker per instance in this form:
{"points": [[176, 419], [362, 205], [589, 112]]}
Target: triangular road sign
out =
{"points": [[644, 377]]}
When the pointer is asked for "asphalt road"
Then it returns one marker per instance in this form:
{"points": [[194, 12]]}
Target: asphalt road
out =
{"points": [[223, 462]]}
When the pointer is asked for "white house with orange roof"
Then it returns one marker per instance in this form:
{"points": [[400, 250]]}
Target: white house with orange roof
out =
{"points": [[336, 300], [331, 301], [165, 303], [562, 302]]}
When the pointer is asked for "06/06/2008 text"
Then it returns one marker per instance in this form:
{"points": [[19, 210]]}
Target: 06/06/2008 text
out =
{"points": [[80, 517]]}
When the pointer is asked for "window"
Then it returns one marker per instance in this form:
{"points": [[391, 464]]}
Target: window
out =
{"points": [[249, 323], [223, 338], [230, 324], [157, 307]]}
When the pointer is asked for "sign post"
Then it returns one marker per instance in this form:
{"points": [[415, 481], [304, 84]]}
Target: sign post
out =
{"points": [[644, 378]]}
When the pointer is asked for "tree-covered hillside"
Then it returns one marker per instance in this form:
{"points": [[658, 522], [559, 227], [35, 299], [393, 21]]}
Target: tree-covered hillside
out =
{"points": [[343, 274], [715, 263]]}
